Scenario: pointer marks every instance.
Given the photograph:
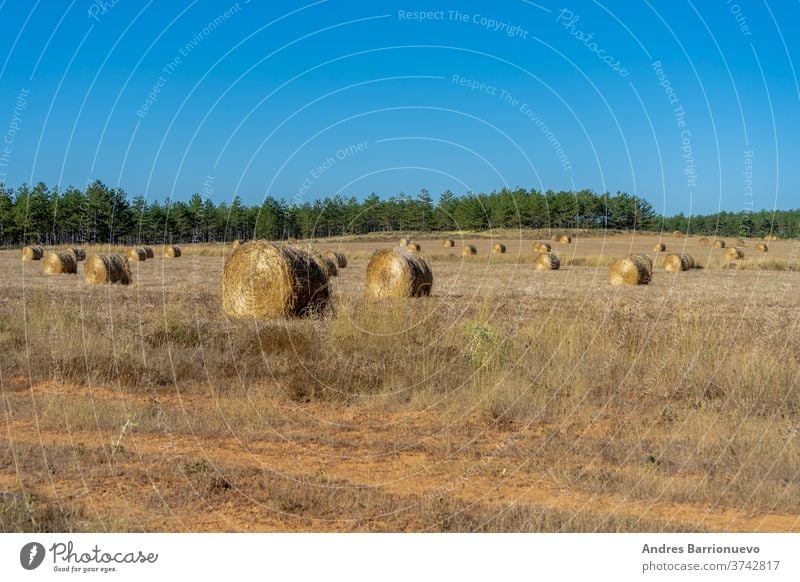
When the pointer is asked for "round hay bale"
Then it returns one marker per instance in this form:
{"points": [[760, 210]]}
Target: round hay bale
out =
{"points": [[733, 254], [60, 262], [678, 262], [413, 247], [339, 257], [677, 234], [692, 263], [80, 254], [448, 243], [555, 238], [149, 251], [761, 248], [546, 262], [404, 242], [172, 251], [740, 242], [32, 253], [659, 247], [469, 251], [107, 269], [269, 280], [565, 239], [703, 241], [398, 273], [646, 259], [498, 248], [136, 254], [771, 237], [631, 270], [541, 247], [719, 244], [327, 263]]}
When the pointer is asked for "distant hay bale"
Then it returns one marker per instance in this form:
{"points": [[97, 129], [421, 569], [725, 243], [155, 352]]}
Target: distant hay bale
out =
{"points": [[80, 254], [448, 243], [740, 242], [172, 251], [136, 254], [761, 248], [677, 234], [719, 244], [32, 253], [733, 254], [555, 238], [678, 262], [404, 242], [541, 247], [413, 247], [498, 248], [469, 251], [565, 239], [771, 237], [338, 256], [59, 263], [107, 269], [150, 253], [327, 263], [269, 280], [703, 241], [633, 270], [546, 262], [659, 247], [398, 273]]}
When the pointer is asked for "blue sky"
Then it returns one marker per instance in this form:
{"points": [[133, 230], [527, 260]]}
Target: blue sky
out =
{"points": [[692, 105]]}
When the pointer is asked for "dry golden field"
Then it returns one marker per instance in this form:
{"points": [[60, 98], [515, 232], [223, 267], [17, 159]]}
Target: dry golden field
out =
{"points": [[509, 400]]}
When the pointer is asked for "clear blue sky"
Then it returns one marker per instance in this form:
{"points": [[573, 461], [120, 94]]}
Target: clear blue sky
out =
{"points": [[253, 98]]}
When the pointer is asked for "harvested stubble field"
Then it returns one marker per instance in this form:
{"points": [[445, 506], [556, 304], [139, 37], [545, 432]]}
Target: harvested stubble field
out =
{"points": [[509, 400]]}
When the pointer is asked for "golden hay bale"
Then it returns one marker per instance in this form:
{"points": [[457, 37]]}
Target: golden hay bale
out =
{"points": [[413, 247], [677, 234], [646, 259], [498, 248], [339, 257], [555, 238], [678, 262], [703, 241], [267, 280], [448, 243], [404, 242], [80, 254], [719, 244], [565, 239], [32, 253], [60, 262], [328, 264], [733, 254], [541, 247], [761, 248], [107, 269], [659, 247], [149, 252], [398, 273], [469, 250], [136, 254], [172, 251], [771, 237], [546, 262], [633, 270]]}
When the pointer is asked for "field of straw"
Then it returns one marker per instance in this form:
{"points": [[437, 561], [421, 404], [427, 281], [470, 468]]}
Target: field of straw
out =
{"points": [[510, 399]]}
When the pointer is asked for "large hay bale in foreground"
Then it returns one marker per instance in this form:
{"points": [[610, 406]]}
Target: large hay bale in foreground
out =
{"points": [[268, 280], [678, 262], [565, 239], [448, 243], [719, 244], [107, 269], [413, 247], [32, 253], [761, 248], [541, 247], [498, 248], [136, 254], [703, 241], [469, 251], [546, 262], [60, 262], [398, 273], [659, 247], [339, 257], [80, 254], [150, 252], [633, 270], [733, 254], [677, 234], [171, 251]]}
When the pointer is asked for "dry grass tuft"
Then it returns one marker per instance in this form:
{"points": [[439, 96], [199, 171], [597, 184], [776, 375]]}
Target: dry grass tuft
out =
{"points": [[136, 254], [270, 280], [32, 253], [107, 269], [632, 270], [541, 247], [171, 251], [398, 273], [469, 251], [60, 262], [498, 248], [546, 262]]}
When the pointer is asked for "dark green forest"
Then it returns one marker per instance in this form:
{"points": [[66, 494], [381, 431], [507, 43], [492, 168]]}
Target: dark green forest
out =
{"points": [[99, 214]]}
